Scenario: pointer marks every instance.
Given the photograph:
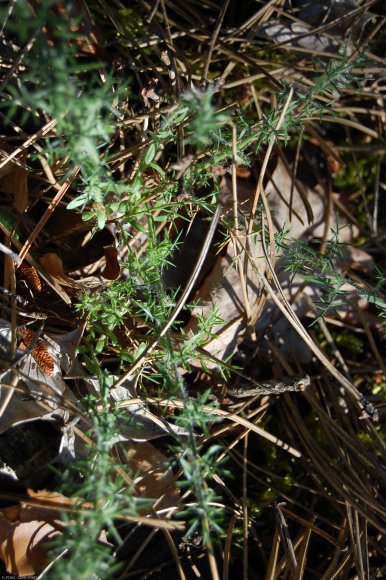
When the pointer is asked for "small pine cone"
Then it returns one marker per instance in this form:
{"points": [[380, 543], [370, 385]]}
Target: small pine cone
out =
{"points": [[31, 277], [39, 352]]}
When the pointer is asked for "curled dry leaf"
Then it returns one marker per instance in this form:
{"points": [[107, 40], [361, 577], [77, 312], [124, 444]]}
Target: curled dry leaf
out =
{"points": [[54, 266], [24, 546], [112, 269]]}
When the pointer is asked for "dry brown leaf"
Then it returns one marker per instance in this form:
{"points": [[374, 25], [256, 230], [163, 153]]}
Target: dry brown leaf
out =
{"points": [[24, 533], [54, 266], [153, 480], [26, 530]]}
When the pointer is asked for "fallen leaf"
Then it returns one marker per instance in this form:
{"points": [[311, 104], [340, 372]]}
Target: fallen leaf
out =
{"points": [[53, 265], [153, 479], [25, 532], [301, 212], [222, 291], [27, 529]]}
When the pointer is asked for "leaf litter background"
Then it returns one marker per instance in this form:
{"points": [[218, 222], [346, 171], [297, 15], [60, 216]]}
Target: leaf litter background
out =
{"points": [[312, 501]]}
